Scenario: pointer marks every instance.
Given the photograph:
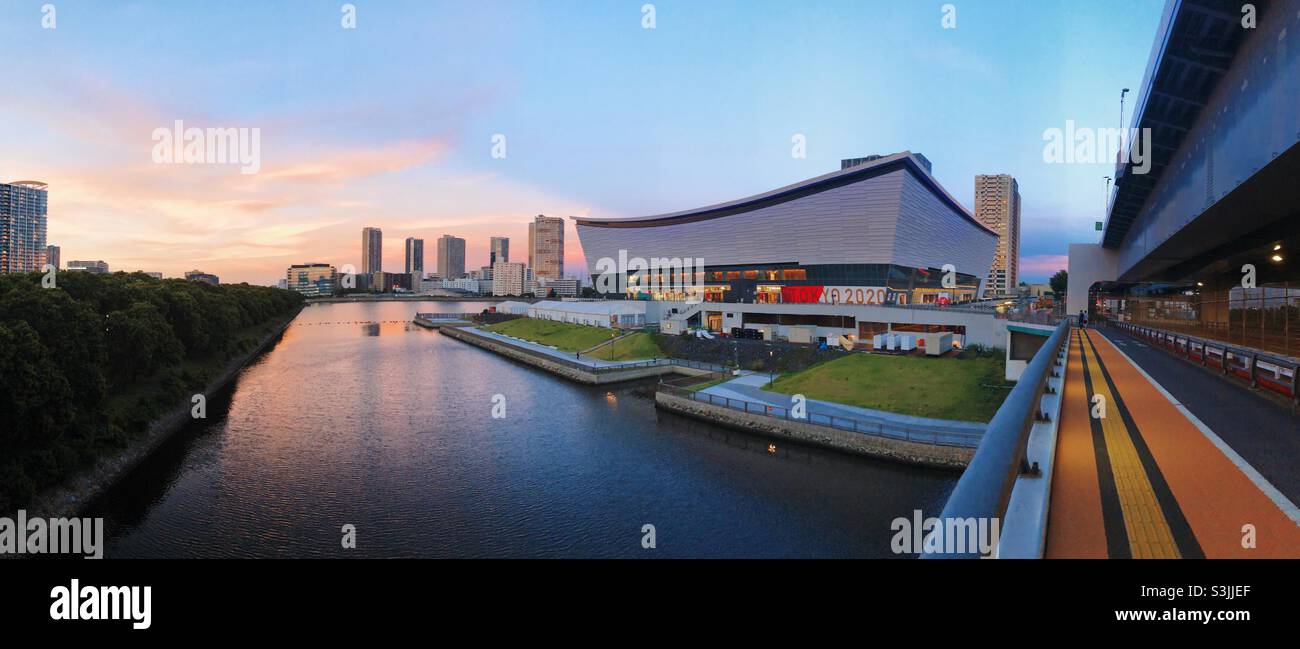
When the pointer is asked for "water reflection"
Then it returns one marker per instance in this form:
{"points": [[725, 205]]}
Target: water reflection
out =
{"points": [[393, 433]]}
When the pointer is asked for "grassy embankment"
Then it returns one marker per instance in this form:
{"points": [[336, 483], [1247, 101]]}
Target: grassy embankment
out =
{"points": [[569, 337], [638, 346], [969, 388]]}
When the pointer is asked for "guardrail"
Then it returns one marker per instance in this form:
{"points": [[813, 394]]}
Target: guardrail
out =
{"points": [[1262, 370], [876, 427], [1041, 316], [985, 487], [449, 316]]}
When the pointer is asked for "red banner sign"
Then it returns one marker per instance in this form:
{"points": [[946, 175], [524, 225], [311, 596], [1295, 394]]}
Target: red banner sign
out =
{"points": [[834, 295], [801, 294]]}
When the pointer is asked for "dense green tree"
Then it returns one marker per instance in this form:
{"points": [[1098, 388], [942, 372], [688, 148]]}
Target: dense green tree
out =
{"points": [[35, 398], [140, 342], [1058, 282], [87, 364]]}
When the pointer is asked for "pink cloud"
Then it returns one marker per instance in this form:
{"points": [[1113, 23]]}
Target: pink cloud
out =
{"points": [[108, 200], [1042, 265]]}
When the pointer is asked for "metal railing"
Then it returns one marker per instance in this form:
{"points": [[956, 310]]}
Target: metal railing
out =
{"points": [[448, 316], [876, 427], [1041, 316], [1260, 369], [985, 487]]}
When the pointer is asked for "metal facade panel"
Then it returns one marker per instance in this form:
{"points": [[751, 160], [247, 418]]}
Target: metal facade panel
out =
{"points": [[854, 224]]}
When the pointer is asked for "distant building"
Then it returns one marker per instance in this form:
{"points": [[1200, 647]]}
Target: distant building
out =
{"points": [[1035, 290], [451, 257], [997, 206], [312, 280], [23, 207], [52, 256], [565, 287], [500, 250], [412, 282], [89, 266], [462, 284], [598, 313], [372, 250], [414, 255], [282, 284], [152, 273], [853, 162], [513, 308], [509, 278], [200, 276], [546, 247], [484, 286], [381, 282]]}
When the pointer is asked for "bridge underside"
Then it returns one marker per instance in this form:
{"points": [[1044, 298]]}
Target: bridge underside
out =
{"points": [[1242, 227]]}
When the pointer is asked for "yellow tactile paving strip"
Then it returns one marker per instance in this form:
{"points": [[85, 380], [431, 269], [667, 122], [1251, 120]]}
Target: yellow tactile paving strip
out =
{"points": [[1109, 479], [1149, 535]]}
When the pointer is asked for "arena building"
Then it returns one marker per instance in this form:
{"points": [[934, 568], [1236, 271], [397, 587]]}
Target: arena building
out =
{"points": [[875, 246], [880, 232]]}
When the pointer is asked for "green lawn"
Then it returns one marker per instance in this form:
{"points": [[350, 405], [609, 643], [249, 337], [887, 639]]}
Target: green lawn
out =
{"points": [[638, 346], [943, 388], [560, 335]]}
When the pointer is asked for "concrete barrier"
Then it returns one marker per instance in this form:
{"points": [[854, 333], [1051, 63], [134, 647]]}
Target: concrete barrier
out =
{"points": [[933, 455], [572, 370]]}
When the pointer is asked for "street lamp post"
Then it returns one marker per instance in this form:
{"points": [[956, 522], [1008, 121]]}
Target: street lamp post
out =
{"points": [[1105, 201], [1121, 108]]}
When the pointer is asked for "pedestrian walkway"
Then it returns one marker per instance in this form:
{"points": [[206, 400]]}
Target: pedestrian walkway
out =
{"points": [[1138, 475]]}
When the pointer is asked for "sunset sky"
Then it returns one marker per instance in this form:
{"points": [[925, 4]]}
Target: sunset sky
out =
{"points": [[391, 124]]}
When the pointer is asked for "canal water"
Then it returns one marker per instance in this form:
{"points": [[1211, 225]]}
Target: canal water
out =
{"points": [[358, 418]]}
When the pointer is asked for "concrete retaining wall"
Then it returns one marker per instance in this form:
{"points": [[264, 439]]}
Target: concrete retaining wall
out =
{"points": [[567, 371], [948, 457]]}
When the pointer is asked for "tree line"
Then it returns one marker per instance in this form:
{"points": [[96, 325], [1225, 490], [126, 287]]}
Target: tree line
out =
{"points": [[88, 363]]}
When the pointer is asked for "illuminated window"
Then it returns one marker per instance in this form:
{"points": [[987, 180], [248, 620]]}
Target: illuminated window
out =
{"points": [[794, 273]]}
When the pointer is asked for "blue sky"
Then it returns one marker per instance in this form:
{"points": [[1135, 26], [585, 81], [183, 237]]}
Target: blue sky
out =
{"points": [[390, 124]]}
